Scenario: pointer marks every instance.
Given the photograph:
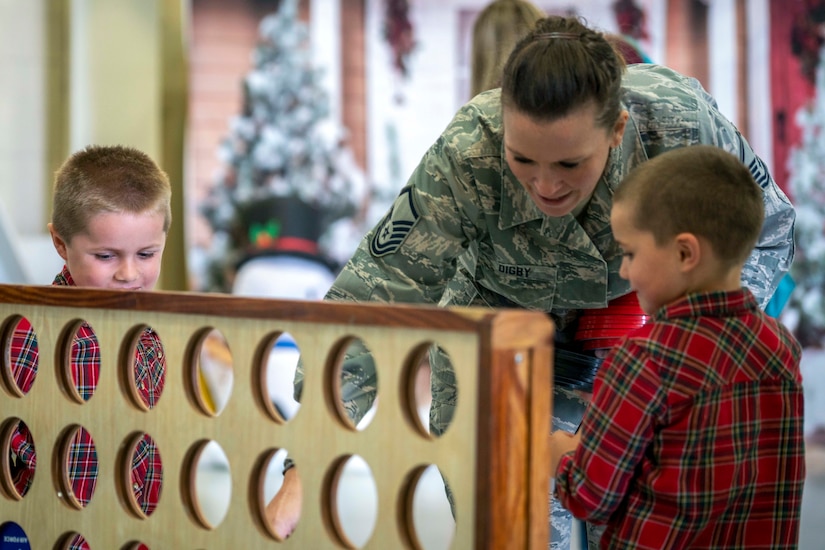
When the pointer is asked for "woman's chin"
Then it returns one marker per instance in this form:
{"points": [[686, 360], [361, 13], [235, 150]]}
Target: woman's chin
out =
{"points": [[555, 208]]}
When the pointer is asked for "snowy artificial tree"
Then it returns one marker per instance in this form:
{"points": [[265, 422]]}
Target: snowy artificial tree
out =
{"points": [[805, 312], [284, 156]]}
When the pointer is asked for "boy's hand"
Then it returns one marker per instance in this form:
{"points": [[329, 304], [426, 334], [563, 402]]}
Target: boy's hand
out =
{"points": [[561, 443], [284, 510]]}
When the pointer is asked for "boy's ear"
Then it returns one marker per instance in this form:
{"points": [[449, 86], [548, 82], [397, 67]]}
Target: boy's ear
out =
{"points": [[689, 250], [59, 243]]}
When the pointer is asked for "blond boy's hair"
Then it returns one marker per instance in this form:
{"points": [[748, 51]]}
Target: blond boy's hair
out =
{"points": [[700, 189], [100, 179]]}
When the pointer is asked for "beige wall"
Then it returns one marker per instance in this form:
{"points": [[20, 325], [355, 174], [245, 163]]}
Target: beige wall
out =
{"points": [[82, 72], [128, 87], [22, 184], [26, 253], [115, 74]]}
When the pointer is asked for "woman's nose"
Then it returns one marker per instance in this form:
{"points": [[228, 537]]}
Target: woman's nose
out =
{"points": [[547, 181]]}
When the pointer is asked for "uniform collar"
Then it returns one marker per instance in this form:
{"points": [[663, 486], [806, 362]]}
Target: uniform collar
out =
{"points": [[632, 148], [516, 205]]}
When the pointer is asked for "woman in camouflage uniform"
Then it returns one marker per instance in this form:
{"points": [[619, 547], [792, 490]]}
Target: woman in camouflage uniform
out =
{"points": [[510, 207]]}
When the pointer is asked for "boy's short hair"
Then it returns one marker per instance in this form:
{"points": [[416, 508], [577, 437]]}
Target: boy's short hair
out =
{"points": [[700, 189], [111, 178]]}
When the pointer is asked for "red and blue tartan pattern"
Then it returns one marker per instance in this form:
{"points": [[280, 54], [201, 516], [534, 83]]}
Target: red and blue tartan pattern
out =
{"points": [[694, 436], [150, 368]]}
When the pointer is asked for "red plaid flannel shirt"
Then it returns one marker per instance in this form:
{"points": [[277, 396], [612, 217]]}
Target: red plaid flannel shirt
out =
{"points": [[150, 367], [694, 436]]}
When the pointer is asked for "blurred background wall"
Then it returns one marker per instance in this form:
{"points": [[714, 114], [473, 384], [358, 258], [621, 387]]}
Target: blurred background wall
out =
{"points": [[167, 76]]}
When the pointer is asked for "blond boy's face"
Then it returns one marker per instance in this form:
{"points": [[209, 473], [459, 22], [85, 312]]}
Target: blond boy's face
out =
{"points": [[119, 250]]}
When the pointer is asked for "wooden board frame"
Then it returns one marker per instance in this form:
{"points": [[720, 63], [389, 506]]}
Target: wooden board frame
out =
{"points": [[494, 454]]}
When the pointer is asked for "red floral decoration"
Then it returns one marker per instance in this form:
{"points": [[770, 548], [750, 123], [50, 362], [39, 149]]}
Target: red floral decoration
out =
{"points": [[398, 32], [807, 37], [631, 19]]}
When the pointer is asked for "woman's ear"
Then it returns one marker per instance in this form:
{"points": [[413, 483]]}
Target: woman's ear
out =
{"points": [[59, 243], [618, 129], [689, 250]]}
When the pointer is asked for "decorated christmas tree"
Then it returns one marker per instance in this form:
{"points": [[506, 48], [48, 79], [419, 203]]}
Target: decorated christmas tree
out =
{"points": [[806, 308], [287, 174]]}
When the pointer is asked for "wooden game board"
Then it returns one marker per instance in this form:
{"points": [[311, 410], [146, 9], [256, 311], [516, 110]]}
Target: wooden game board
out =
{"points": [[493, 454]]}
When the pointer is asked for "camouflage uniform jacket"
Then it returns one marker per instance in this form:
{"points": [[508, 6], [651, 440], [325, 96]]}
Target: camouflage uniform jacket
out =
{"points": [[463, 231]]}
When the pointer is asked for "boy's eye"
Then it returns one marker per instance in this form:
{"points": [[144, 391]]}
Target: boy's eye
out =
{"points": [[568, 164], [522, 160], [104, 256], [146, 255]]}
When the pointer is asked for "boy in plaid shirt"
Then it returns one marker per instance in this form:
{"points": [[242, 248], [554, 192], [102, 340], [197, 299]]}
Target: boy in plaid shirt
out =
{"points": [[111, 215], [694, 435]]}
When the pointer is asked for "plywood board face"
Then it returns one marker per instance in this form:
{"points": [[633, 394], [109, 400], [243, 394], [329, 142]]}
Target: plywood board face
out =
{"points": [[317, 437]]}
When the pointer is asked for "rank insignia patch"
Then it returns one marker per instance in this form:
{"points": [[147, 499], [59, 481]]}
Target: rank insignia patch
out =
{"points": [[395, 226]]}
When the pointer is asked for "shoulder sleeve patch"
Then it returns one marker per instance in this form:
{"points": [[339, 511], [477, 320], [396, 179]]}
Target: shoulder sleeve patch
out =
{"points": [[395, 226]]}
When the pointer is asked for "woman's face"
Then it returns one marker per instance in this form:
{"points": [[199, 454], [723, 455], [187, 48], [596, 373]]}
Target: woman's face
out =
{"points": [[560, 162]]}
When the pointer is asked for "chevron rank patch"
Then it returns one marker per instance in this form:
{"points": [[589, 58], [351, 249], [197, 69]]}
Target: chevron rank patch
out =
{"points": [[395, 226]]}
